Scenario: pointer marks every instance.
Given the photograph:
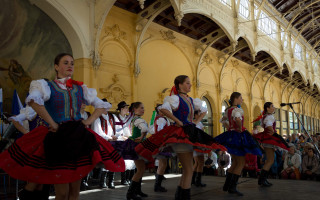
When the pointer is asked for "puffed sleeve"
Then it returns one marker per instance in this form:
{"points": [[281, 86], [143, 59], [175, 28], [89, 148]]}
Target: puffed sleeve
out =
{"points": [[26, 113], [141, 124], [170, 103], [39, 92], [198, 105], [237, 113], [161, 122], [90, 95], [200, 126], [269, 120]]}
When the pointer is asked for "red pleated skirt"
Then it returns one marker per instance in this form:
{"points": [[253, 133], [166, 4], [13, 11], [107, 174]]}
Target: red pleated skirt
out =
{"points": [[266, 138], [25, 160], [153, 145]]}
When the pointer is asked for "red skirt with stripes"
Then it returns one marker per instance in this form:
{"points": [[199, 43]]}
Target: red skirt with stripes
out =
{"points": [[200, 141], [274, 139], [26, 159]]}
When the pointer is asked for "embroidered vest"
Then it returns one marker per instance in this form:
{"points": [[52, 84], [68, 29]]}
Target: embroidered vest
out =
{"points": [[185, 111], [64, 105]]}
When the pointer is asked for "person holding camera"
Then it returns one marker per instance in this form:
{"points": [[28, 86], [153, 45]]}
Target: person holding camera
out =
{"points": [[224, 162]]}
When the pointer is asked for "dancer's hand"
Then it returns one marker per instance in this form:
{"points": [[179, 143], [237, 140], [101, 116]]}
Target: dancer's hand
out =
{"points": [[138, 139], [179, 124], [114, 138], [85, 122], [53, 127]]}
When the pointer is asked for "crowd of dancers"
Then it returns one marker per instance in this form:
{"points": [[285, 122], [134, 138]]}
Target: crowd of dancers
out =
{"points": [[64, 143]]}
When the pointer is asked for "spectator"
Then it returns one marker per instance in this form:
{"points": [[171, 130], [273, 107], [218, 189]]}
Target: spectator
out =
{"points": [[291, 165], [251, 166], [289, 139], [310, 164], [210, 163], [294, 138], [302, 140], [299, 149], [224, 163]]}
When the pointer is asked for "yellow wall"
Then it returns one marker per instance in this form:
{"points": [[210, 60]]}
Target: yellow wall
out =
{"points": [[162, 58]]}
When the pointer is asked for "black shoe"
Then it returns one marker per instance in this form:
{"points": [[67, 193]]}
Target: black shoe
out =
{"points": [[139, 191], [27, 195], [132, 191], [123, 178], [193, 182], [157, 184], [177, 195], [185, 194], [198, 180], [262, 181], [103, 180], [227, 182], [233, 185], [111, 180]]}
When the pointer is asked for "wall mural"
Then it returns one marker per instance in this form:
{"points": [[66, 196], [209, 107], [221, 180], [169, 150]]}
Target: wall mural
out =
{"points": [[29, 41]]}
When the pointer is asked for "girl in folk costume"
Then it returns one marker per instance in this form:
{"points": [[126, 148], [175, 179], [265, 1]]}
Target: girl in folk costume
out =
{"points": [[238, 141], [66, 151], [104, 126], [31, 191], [269, 140], [139, 131], [198, 158], [183, 137], [123, 132], [160, 122]]}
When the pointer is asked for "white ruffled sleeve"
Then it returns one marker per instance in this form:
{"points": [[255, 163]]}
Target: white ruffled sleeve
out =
{"points": [[141, 124], [90, 95], [200, 126], [198, 105], [161, 122], [237, 113], [39, 92], [170, 103], [26, 113], [97, 128], [269, 120]]}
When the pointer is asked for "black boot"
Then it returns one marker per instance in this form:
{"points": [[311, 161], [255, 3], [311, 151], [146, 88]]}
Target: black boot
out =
{"points": [[139, 191], [132, 192], [27, 195], [124, 178], [84, 183], [130, 175], [185, 194], [227, 182], [44, 193], [193, 182], [233, 185], [103, 180], [157, 184], [177, 195], [198, 180], [111, 180], [263, 179]]}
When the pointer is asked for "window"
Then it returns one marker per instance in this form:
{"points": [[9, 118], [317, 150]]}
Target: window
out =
{"points": [[226, 2], [277, 117], [291, 122], [223, 109], [207, 120], [284, 38], [244, 9], [298, 51], [285, 122], [267, 25], [315, 66]]}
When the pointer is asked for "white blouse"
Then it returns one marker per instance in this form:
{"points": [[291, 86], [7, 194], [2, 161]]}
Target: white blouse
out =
{"points": [[123, 132], [26, 113], [172, 103], [268, 121], [200, 125], [141, 124], [98, 129], [40, 92], [237, 113], [161, 123]]}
